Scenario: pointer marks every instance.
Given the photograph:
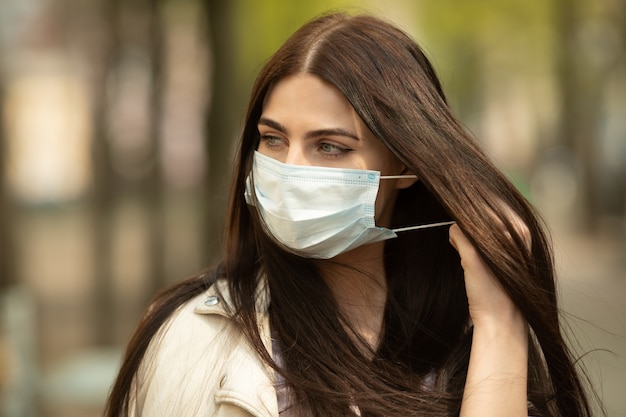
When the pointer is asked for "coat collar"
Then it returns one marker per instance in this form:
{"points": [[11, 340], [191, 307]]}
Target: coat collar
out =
{"points": [[247, 381], [218, 300]]}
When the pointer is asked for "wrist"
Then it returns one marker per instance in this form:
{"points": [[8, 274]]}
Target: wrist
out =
{"points": [[506, 324]]}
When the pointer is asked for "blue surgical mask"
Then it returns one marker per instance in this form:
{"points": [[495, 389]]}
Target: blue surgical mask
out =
{"points": [[318, 212]]}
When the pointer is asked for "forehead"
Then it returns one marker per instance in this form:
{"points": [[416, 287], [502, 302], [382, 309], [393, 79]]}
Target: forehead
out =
{"points": [[302, 94]]}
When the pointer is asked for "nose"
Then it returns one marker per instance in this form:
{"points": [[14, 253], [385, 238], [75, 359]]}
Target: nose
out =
{"points": [[296, 155]]}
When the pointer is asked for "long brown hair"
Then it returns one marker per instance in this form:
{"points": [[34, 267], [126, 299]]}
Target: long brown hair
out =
{"points": [[421, 362]]}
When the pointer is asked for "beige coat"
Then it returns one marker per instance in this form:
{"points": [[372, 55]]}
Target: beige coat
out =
{"points": [[199, 364]]}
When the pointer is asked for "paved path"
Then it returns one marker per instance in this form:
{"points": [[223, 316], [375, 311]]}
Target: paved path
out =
{"points": [[592, 280]]}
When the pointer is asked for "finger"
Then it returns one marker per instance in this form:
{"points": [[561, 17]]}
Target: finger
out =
{"points": [[455, 234], [467, 251]]}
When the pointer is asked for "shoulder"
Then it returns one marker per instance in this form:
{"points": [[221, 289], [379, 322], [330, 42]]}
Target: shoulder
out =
{"points": [[201, 318], [201, 327], [186, 357]]}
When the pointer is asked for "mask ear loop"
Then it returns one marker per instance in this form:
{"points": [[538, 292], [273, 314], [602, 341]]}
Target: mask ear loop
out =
{"points": [[397, 177], [423, 226]]}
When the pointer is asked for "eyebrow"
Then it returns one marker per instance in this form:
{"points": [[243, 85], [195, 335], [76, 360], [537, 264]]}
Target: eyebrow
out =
{"points": [[337, 131]]}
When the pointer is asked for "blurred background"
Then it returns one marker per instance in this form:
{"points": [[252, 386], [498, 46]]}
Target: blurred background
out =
{"points": [[117, 126]]}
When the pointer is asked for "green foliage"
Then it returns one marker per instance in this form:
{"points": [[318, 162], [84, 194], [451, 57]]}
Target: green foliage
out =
{"points": [[263, 26], [483, 43]]}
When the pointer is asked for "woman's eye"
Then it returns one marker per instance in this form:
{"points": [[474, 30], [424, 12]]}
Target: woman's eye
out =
{"points": [[332, 149], [271, 141]]}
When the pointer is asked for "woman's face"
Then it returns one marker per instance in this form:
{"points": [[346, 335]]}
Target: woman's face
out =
{"points": [[306, 121]]}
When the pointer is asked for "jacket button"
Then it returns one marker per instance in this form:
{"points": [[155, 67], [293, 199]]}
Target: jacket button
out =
{"points": [[223, 381], [211, 300]]}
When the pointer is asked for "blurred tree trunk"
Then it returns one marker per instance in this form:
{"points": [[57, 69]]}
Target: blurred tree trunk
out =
{"points": [[7, 271], [221, 119], [588, 58], [154, 187], [104, 179], [621, 67], [130, 24], [581, 87]]}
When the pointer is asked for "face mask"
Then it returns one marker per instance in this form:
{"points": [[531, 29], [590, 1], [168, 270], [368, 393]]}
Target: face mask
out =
{"points": [[318, 212]]}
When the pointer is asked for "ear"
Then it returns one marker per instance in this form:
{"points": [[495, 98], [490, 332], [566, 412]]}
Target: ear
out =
{"points": [[408, 181]]}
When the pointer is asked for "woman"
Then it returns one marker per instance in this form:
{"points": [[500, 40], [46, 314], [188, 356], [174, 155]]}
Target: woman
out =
{"points": [[323, 304]]}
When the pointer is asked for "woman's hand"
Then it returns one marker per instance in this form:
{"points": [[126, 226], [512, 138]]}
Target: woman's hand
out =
{"points": [[496, 381], [488, 302]]}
